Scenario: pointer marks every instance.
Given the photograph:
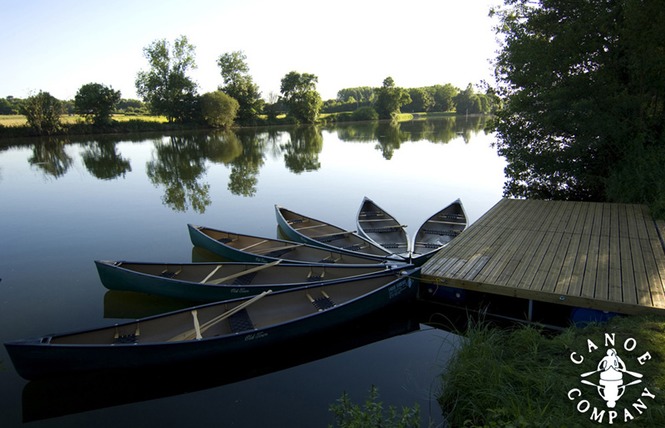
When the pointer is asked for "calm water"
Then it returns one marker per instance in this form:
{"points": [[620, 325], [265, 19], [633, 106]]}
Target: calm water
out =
{"points": [[67, 203]]}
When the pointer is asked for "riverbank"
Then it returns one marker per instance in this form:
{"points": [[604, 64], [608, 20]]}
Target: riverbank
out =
{"points": [[526, 377], [15, 126]]}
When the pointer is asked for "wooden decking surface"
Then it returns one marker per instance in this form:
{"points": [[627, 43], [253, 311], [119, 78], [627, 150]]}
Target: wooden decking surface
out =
{"points": [[594, 255]]}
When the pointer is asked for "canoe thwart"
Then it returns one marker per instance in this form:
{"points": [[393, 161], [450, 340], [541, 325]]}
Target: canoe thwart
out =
{"points": [[242, 273]]}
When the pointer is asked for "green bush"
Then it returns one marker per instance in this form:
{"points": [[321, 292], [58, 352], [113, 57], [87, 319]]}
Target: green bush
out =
{"points": [[365, 113]]}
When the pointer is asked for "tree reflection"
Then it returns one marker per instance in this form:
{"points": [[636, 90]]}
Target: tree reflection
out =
{"points": [[390, 138], [245, 168], [391, 135], [104, 162], [301, 152], [50, 156], [178, 163]]}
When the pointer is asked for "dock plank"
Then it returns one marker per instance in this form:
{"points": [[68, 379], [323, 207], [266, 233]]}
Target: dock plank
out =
{"points": [[604, 256]]}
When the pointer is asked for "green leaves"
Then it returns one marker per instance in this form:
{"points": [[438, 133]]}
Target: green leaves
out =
{"points": [[96, 102], [301, 97], [582, 84], [166, 86]]}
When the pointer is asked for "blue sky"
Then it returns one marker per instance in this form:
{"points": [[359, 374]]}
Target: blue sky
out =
{"points": [[59, 45]]}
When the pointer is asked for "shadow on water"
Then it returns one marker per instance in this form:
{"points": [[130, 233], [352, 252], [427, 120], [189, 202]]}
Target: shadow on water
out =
{"points": [[50, 398]]}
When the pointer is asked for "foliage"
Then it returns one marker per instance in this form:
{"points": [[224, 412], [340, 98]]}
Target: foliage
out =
{"points": [[131, 107], [9, 105], [349, 415], [238, 84], [42, 112], [166, 87], [96, 102], [301, 97], [584, 107], [365, 113], [469, 102], [443, 96], [218, 109], [389, 99], [421, 100], [358, 95]]}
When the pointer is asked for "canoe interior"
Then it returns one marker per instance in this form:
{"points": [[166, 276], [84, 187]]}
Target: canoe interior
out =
{"points": [[440, 229], [382, 228], [273, 249], [258, 273], [326, 234], [272, 309]]}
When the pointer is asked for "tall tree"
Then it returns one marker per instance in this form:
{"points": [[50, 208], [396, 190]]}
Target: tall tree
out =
{"points": [[166, 87], [301, 97], [583, 86], [96, 102], [238, 84], [390, 99]]}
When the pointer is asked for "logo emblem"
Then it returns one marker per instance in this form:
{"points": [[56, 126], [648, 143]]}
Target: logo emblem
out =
{"points": [[610, 380], [611, 385]]}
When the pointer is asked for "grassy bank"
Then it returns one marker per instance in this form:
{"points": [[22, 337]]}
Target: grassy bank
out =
{"points": [[524, 378], [16, 126]]}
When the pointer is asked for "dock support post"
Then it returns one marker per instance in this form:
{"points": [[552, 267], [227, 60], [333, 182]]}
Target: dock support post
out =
{"points": [[530, 313]]}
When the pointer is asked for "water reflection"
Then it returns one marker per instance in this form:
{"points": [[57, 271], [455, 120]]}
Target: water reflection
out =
{"points": [[301, 152], [104, 161], [51, 158], [180, 162]]}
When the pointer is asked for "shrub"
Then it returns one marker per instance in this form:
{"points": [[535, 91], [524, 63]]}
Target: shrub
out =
{"points": [[43, 113], [365, 113], [218, 109]]}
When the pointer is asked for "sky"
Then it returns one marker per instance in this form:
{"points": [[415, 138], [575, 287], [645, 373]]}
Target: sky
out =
{"points": [[58, 46]]}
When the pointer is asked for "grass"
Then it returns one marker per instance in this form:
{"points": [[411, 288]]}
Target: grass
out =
{"points": [[523, 378], [20, 120]]}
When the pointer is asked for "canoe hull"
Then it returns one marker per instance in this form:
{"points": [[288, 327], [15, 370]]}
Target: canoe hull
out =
{"points": [[44, 356]]}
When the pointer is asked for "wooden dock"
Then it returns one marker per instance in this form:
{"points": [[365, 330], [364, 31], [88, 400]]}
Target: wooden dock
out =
{"points": [[603, 256]]}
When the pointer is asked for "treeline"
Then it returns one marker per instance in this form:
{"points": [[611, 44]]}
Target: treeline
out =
{"points": [[427, 99], [166, 89], [129, 107]]}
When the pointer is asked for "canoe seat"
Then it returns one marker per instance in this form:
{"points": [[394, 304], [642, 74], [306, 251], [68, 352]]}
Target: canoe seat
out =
{"points": [[245, 279], [386, 229], [321, 303], [240, 321], [126, 338], [311, 276], [169, 273], [442, 232], [331, 238], [355, 247], [225, 240], [277, 254]]}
